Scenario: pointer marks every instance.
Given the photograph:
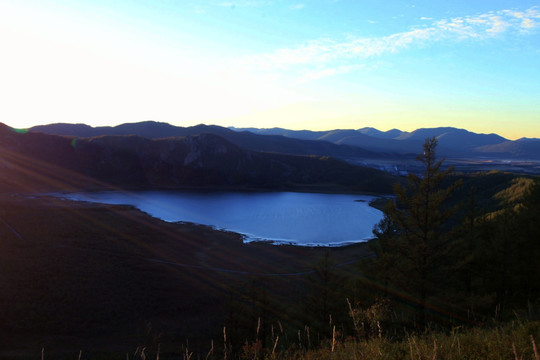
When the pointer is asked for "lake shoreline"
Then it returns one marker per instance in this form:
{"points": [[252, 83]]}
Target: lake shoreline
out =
{"points": [[284, 244], [277, 218], [378, 203], [310, 189]]}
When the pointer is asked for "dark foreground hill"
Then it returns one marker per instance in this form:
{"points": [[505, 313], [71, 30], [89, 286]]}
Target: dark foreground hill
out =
{"points": [[101, 278], [204, 160], [76, 276]]}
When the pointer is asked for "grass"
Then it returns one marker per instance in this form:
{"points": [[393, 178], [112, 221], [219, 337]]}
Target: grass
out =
{"points": [[85, 283], [510, 341], [88, 276], [506, 342]]}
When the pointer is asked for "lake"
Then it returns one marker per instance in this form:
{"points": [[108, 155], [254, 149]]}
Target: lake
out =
{"points": [[307, 219]]}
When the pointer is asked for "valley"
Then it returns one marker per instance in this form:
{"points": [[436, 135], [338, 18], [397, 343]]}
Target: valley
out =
{"points": [[110, 278], [269, 180]]}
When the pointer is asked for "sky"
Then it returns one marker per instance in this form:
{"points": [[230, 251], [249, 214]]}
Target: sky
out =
{"points": [[300, 64]]}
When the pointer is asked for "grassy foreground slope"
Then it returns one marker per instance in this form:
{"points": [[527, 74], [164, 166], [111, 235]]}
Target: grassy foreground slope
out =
{"points": [[89, 276], [510, 341]]}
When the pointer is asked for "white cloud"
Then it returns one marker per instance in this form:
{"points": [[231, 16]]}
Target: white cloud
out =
{"points": [[297, 6], [244, 3], [528, 24], [498, 25], [328, 57]]}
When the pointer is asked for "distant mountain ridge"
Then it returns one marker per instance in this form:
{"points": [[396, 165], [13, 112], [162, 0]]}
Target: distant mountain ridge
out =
{"points": [[364, 143], [390, 134], [450, 139], [453, 142]]}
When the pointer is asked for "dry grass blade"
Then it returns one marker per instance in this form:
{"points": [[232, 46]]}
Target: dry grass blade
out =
{"points": [[535, 349], [275, 345], [334, 338], [211, 351], [225, 343], [515, 352], [411, 354]]}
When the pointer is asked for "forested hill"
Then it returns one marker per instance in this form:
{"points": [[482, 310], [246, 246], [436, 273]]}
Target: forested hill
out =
{"points": [[32, 160]]}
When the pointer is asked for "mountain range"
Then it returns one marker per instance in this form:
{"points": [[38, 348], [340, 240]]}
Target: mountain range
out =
{"points": [[365, 143], [452, 142], [159, 155], [35, 161], [245, 139]]}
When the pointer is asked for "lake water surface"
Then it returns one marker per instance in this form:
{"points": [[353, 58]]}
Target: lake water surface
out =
{"points": [[306, 219]]}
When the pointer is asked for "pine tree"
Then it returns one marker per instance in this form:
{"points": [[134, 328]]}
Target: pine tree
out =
{"points": [[420, 220], [325, 303], [385, 267]]}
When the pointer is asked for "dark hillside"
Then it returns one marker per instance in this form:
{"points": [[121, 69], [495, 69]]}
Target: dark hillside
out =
{"points": [[355, 145], [204, 160], [484, 187], [147, 129], [88, 276], [244, 139]]}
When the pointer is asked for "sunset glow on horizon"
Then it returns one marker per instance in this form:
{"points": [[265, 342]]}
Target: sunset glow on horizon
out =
{"points": [[317, 65]]}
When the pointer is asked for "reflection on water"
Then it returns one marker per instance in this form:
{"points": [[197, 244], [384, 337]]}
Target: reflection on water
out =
{"points": [[280, 217]]}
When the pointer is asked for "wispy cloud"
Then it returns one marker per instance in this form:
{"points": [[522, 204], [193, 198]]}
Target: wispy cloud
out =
{"points": [[256, 3], [327, 57], [244, 3], [299, 6]]}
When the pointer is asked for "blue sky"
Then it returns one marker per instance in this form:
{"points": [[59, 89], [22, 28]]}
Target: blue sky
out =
{"points": [[298, 64]]}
